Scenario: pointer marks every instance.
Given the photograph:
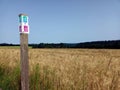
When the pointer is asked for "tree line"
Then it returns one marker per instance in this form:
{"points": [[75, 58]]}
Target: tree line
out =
{"points": [[112, 44]]}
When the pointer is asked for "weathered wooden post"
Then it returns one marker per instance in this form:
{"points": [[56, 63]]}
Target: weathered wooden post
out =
{"points": [[24, 31]]}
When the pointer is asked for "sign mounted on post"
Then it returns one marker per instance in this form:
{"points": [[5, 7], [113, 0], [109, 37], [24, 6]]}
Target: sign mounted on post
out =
{"points": [[23, 20], [24, 30]]}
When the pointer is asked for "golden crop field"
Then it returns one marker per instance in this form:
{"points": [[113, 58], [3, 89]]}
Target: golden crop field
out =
{"points": [[65, 69]]}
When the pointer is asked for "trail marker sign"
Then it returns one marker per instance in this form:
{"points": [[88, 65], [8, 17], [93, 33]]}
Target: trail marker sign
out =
{"points": [[24, 30], [23, 20]]}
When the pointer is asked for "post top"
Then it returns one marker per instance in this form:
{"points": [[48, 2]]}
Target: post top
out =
{"points": [[22, 14]]}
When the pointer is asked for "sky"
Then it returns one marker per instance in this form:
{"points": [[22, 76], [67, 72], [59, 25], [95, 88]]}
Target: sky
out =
{"points": [[61, 21]]}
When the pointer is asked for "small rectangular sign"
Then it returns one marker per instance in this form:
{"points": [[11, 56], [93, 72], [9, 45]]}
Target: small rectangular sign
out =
{"points": [[23, 19], [20, 29], [23, 26], [24, 29]]}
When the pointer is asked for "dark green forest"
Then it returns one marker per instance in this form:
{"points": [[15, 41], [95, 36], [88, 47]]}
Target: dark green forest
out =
{"points": [[110, 44]]}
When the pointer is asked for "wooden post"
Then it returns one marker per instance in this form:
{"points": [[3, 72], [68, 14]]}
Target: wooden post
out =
{"points": [[24, 30], [24, 61]]}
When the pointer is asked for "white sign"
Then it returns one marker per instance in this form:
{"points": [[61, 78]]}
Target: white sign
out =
{"points": [[23, 20]]}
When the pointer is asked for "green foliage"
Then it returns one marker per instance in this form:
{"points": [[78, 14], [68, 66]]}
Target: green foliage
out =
{"points": [[40, 79], [35, 78], [9, 79]]}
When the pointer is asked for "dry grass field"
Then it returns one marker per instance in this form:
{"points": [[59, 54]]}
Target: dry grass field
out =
{"points": [[63, 69]]}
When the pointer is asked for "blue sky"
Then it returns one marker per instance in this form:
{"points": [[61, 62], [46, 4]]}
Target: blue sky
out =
{"points": [[55, 21]]}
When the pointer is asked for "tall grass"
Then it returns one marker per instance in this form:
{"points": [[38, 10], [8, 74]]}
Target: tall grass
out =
{"points": [[62, 69], [9, 79]]}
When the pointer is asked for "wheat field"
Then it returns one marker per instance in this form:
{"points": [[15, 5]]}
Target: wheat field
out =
{"points": [[62, 69]]}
